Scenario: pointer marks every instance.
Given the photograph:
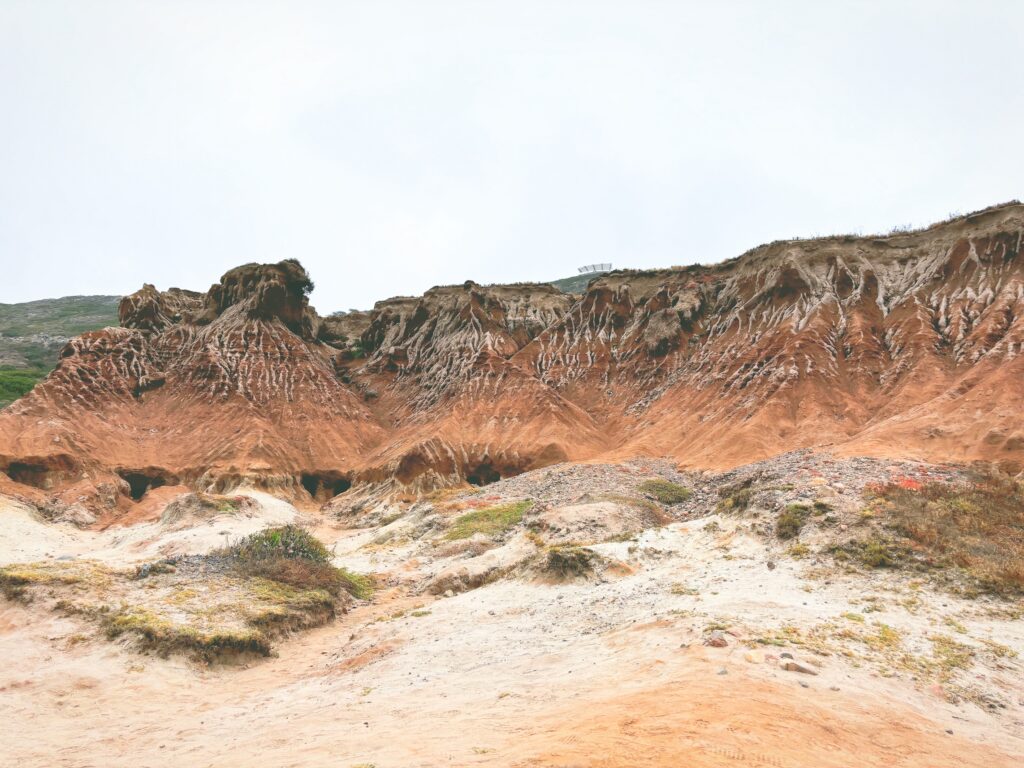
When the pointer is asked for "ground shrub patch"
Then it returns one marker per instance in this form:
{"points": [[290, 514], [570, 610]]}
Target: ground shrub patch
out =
{"points": [[293, 556], [736, 497], [288, 542], [665, 491], [570, 561], [491, 521], [977, 525], [791, 521], [15, 382]]}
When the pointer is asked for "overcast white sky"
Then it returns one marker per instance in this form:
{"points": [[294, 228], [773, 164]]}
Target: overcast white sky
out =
{"points": [[392, 146]]}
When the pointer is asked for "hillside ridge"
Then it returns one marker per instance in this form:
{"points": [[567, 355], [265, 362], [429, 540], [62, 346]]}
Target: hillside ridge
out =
{"points": [[907, 344]]}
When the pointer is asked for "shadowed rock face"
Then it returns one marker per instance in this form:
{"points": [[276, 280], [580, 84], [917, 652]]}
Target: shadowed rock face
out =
{"points": [[904, 345]]}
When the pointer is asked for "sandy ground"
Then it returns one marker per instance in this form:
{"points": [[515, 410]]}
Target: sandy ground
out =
{"points": [[610, 671], [25, 537]]}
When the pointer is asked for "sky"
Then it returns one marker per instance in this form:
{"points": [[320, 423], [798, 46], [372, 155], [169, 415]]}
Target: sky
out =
{"points": [[393, 146]]}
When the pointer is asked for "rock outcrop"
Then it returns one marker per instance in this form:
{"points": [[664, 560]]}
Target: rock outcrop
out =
{"points": [[906, 345]]}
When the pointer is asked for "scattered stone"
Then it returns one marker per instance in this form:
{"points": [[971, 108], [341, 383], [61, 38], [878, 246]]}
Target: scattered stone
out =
{"points": [[754, 657], [795, 666], [716, 639]]}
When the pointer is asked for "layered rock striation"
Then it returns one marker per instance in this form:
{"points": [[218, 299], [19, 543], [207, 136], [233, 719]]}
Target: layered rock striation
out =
{"points": [[907, 345]]}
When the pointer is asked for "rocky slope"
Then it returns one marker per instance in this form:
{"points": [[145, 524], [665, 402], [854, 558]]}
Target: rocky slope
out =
{"points": [[904, 345]]}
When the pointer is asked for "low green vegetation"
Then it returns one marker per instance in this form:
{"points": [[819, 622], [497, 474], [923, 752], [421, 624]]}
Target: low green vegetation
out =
{"points": [[950, 654], [17, 579], [287, 542], [798, 551], [665, 491], [492, 521], [576, 283], [16, 382], [66, 316], [209, 607], [735, 498], [875, 552], [976, 526], [157, 633], [791, 521], [32, 333], [293, 556], [570, 561]]}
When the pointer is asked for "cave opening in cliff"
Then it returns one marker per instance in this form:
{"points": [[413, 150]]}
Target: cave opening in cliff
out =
{"points": [[42, 472], [483, 474], [28, 474], [141, 481], [324, 485]]}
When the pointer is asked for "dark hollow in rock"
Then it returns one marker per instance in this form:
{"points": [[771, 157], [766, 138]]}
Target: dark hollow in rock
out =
{"points": [[325, 485], [483, 474], [140, 481]]}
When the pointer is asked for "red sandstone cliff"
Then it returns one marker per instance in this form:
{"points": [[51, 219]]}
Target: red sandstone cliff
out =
{"points": [[905, 345]]}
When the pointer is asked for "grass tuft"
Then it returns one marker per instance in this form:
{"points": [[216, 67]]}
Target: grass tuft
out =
{"points": [[492, 521], [791, 521], [665, 491], [293, 556]]}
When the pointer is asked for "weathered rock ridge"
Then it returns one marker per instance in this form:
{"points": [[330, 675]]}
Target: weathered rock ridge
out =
{"points": [[905, 345]]}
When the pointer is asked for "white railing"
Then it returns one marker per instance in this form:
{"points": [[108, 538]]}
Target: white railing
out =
{"points": [[595, 268]]}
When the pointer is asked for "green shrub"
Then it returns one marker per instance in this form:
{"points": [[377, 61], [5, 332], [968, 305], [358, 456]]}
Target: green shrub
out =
{"points": [[570, 561], [490, 522], [792, 519], [875, 552], [309, 575], [665, 491], [288, 542], [293, 556], [736, 497]]}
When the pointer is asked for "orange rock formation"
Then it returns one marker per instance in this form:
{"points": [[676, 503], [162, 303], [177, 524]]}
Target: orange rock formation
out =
{"points": [[906, 345]]}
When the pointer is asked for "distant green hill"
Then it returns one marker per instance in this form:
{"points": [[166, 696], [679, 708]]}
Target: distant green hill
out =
{"points": [[32, 334], [576, 283], [67, 316]]}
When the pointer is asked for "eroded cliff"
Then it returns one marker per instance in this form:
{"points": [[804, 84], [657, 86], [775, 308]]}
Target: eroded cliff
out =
{"points": [[904, 345]]}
